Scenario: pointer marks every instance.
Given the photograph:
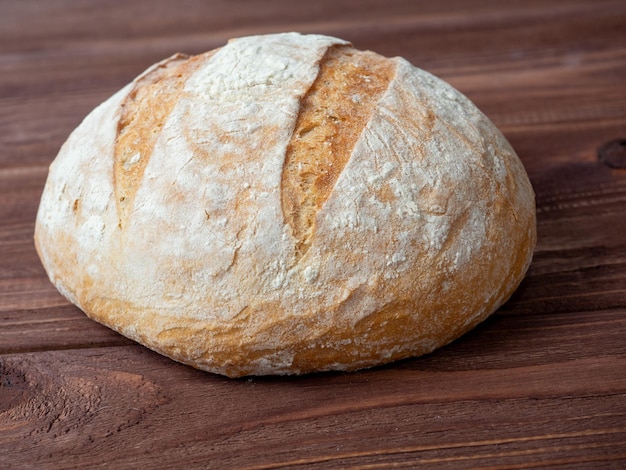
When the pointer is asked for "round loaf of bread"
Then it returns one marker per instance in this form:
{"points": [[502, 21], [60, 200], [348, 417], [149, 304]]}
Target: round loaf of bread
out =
{"points": [[287, 204]]}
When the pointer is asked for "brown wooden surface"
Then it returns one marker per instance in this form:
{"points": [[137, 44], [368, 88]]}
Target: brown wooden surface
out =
{"points": [[542, 383]]}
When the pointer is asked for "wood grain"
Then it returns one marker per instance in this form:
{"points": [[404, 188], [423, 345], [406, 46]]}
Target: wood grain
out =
{"points": [[539, 384]]}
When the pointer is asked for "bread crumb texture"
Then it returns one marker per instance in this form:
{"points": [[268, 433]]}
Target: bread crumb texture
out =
{"points": [[287, 204]]}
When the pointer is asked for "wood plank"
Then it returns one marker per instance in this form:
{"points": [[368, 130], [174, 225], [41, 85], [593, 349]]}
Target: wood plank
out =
{"points": [[65, 81], [132, 400], [50, 328], [539, 384]]}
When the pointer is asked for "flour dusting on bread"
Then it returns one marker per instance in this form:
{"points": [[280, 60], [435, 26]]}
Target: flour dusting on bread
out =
{"points": [[287, 204]]}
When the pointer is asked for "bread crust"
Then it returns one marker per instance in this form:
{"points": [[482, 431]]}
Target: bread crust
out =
{"points": [[426, 230]]}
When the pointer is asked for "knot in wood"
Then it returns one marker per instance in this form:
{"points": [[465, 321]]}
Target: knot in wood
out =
{"points": [[613, 153]]}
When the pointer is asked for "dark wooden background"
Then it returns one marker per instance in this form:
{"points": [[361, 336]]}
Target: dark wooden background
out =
{"points": [[542, 383]]}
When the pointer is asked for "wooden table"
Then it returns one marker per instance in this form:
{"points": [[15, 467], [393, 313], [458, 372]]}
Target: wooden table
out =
{"points": [[542, 383]]}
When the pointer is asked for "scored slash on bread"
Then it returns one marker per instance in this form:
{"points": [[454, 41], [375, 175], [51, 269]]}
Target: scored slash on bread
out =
{"points": [[331, 118]]}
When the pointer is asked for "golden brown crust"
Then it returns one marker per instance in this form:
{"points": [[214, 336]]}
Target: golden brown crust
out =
{"points": [[242, 246]]}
